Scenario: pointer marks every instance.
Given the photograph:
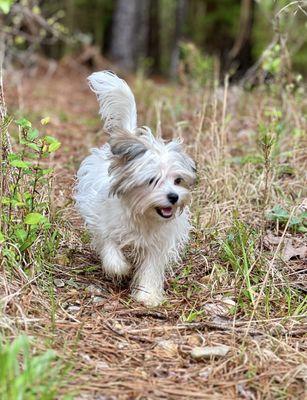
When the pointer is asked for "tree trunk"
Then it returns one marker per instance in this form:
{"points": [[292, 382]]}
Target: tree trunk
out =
{"points": [[141, 30], [154, 50], [130, 33], [179, 21], [123, 41], [240, 56]]}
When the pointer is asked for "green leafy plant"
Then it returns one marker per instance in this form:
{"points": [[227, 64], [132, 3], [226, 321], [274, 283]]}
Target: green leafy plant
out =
{"points": [[24, 376], [192, 315], [26, 220], [280, 216], [198, 67], [272, 60]]}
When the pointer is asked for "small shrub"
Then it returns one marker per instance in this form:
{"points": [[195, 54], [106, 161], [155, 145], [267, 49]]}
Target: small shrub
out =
{"points": [[26, 221]]}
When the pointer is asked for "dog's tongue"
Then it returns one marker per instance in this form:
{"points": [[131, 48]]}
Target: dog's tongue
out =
{"points": [[167, 211]]}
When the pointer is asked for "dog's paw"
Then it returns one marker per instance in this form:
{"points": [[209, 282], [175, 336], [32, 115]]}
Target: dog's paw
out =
{"points": [[114, 263], [149, 299], [118, 268]]}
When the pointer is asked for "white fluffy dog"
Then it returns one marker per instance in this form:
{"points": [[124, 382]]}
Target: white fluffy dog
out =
{"points": [[133, 193]]}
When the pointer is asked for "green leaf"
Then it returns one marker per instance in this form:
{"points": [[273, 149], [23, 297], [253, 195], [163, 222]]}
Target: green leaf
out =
{"points": [[47, 171], [50, 139], [27, 195], [21, 235], [294, 221], [2, 238], [278, 213], [33, 156], [23, 122], [28, 243], [32, 134], [33, 146], [303, 215], [20, 164], [34, 218], [13, 156], [54, 146], [47, 225]]}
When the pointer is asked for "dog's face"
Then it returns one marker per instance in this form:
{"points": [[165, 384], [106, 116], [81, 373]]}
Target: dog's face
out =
{"points": [[151, 177]]}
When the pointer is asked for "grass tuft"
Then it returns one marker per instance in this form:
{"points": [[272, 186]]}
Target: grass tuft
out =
{"points": [[25, 376]]}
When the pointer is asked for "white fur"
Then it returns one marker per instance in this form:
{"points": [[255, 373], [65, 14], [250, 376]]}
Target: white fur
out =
{"points": [[116, 101], [123, 186]]}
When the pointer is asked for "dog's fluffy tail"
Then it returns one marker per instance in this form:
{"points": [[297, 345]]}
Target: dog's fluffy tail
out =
{"points": [[116, 101]]}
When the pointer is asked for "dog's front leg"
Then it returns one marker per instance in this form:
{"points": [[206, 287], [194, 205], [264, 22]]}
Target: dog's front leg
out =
{"points": [[148, 281], [113, 260]]}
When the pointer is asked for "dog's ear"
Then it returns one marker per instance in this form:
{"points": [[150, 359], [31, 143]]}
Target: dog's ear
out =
{"points": [[127, 146], [176, 146]]}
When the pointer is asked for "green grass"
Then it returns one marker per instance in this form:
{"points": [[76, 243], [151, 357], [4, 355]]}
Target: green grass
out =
{"points": [[239, 251], [26, 376]]}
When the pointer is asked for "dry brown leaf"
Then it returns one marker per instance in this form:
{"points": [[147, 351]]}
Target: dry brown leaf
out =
{"points": [[270, 239], [291, 251]]}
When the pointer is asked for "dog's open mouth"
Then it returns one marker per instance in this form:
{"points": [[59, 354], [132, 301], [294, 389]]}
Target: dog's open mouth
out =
{"points": [[165, 212]]}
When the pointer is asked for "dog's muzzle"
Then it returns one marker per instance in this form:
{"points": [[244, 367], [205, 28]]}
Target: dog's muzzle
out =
{"points": [[165, 212]]}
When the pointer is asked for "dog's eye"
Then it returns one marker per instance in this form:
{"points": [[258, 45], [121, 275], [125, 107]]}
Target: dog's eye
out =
{"points": [[151, 180], [177, 181]]}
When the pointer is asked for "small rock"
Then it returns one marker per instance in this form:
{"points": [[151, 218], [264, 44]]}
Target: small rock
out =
{"points": [[58, 282], [93, 289], [228, 301], [205, 373], [85, 357], [101, 365], [122, 345], [167, 347], [209, 351], [97, 299], [73, 309]]}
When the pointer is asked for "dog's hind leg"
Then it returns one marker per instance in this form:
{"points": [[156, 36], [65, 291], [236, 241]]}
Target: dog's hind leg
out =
{"points": [[113, 260]]}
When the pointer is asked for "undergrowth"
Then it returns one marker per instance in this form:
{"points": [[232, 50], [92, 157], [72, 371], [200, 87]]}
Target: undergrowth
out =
{"points": [[28, 376], [27, 232], [29, 239]]}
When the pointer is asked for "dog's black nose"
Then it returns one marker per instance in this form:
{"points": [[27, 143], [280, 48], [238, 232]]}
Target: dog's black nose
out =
{"points": [[172, 197]]}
